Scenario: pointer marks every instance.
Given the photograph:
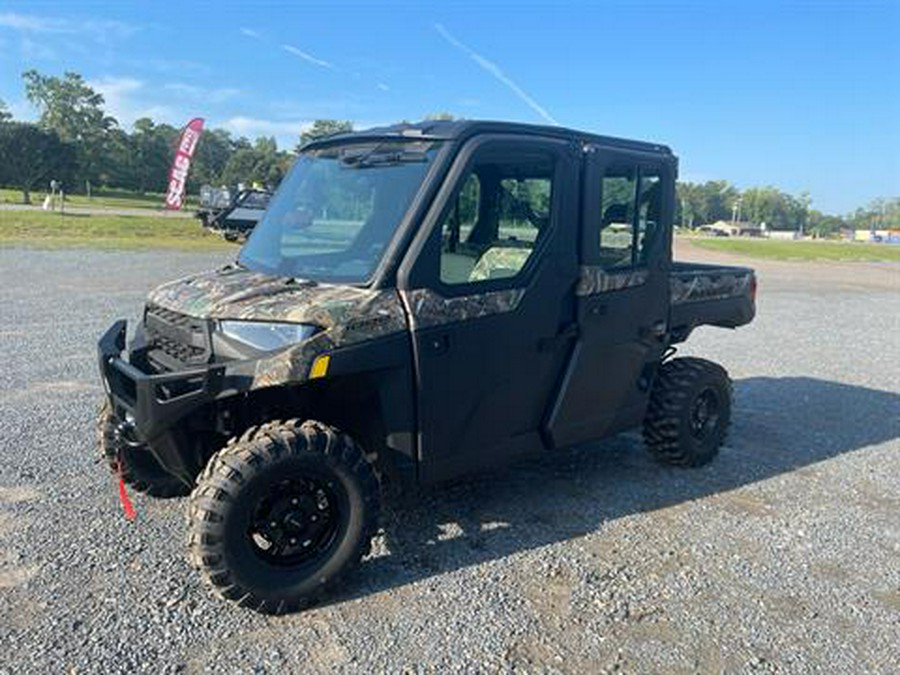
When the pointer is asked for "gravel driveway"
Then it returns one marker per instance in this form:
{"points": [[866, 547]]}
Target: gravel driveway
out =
{"points": [[782, 556]]}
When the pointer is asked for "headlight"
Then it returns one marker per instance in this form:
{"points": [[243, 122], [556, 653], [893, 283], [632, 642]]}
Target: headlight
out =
{"points": [[266, 336]]}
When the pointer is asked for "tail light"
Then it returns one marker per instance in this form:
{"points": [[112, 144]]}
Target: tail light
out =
{"points": [[753, 288]]}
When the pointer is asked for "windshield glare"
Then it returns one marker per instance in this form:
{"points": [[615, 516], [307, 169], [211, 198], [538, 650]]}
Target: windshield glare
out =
{"points": [[336, 211]]}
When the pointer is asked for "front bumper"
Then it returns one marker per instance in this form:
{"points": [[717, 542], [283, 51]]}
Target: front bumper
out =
{"points": [[155, 402]]}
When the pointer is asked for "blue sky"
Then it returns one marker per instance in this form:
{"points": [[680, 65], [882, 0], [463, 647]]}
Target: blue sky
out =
{"points": [[801, 95]]}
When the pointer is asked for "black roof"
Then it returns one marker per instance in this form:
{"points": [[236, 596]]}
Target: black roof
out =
{"points": [[459, 129]]}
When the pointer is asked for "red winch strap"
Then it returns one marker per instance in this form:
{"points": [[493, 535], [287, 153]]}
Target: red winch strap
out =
{"points": [[130, 513]]}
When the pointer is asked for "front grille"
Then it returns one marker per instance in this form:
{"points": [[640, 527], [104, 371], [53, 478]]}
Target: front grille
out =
{"points": [[175, 340], [169, 316], [185, 353]]}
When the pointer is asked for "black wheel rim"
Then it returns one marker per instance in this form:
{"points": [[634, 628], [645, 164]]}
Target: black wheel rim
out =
{"points": [[704, 416], [296, 522]]}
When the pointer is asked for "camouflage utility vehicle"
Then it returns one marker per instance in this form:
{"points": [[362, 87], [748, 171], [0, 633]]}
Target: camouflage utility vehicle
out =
{"points": [[417, 302]]}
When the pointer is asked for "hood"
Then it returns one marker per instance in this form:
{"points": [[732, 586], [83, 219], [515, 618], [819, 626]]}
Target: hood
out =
{"points": [[238, 293]]}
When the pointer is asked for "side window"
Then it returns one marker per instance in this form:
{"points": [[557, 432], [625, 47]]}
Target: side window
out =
{"points": [[649, 206], [630, 208], [495, 222], [616, 225], [456, 263]]}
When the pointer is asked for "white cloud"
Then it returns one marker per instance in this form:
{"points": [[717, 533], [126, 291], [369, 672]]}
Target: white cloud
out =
{"points": [[130, 98], [118, 96], [45, 38], [286, 132], [98, 29], [22, 110], [195, 93], [36, 50], [494, 70], [116, 86], [125, 99], [383, 86], [27, 22], [306, 56], [166, 66], [249, 32]]}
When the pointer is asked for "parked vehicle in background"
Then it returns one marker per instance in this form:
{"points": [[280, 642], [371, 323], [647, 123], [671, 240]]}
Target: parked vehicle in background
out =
{"points": [[232, 213]]}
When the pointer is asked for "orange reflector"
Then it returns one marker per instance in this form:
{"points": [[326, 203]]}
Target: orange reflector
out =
{"points": [[319, 366]]}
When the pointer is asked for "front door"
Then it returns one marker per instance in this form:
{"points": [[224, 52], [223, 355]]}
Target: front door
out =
{"points": [[622, 297], [489, 289]]}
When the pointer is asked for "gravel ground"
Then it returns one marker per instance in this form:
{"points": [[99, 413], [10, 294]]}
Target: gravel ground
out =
{"points": [[782, 556]]}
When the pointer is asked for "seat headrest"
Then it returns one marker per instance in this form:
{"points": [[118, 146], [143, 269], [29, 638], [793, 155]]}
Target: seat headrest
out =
{"points": [[615, 213]]}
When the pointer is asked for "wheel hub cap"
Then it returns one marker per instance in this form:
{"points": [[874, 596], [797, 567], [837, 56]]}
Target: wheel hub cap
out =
{"points": [[295, 522]]}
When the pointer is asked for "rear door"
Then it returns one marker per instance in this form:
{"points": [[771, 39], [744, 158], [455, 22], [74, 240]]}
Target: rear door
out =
{"points": [[622, 296], [489, 288]]}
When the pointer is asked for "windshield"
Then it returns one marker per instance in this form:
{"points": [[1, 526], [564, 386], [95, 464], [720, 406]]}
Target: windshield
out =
{"points": [[337, 210]]}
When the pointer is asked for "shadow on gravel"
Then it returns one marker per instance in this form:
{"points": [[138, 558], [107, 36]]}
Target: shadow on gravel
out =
{"points": [[779, 425]]}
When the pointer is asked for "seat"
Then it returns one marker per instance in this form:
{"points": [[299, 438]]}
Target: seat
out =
{"points": [[456, 268], [500, 262]]}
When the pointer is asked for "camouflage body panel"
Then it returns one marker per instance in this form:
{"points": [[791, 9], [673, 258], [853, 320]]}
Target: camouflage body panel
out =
{"points": [[431, 309], [593, 279], [235, 293], [347, 315], [697, 286], [291, 365]]}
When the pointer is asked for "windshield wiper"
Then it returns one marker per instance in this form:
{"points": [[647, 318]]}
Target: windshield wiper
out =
{"points": [[373, 157]]}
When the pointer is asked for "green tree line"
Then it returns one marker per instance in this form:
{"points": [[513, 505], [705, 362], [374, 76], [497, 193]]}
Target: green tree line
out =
{"points": [[77, 143], [704, 203]]}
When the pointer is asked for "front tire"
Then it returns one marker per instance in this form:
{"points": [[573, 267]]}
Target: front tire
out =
{"points": [[282, 514], [136, 465], [689, 412]]}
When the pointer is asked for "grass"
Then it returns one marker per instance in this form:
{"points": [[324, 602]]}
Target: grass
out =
{"points": [[110, 199], [801, 250], [40, 229]]}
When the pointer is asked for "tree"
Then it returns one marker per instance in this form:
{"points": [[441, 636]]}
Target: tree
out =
{"points": [[32, 155], [777, 209], [260, 162], [75, 112], [702, 203], [822, 225], [323, 128], [210, 157], [120, 166], [4, 113], [880, 214], [153, 147]]}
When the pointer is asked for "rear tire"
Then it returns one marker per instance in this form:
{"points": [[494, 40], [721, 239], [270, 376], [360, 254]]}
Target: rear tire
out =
{"points": [[689, 412], [282, 514], [137, 466]]}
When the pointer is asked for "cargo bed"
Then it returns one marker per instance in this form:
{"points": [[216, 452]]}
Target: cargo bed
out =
{"points": [[713, 295]]}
